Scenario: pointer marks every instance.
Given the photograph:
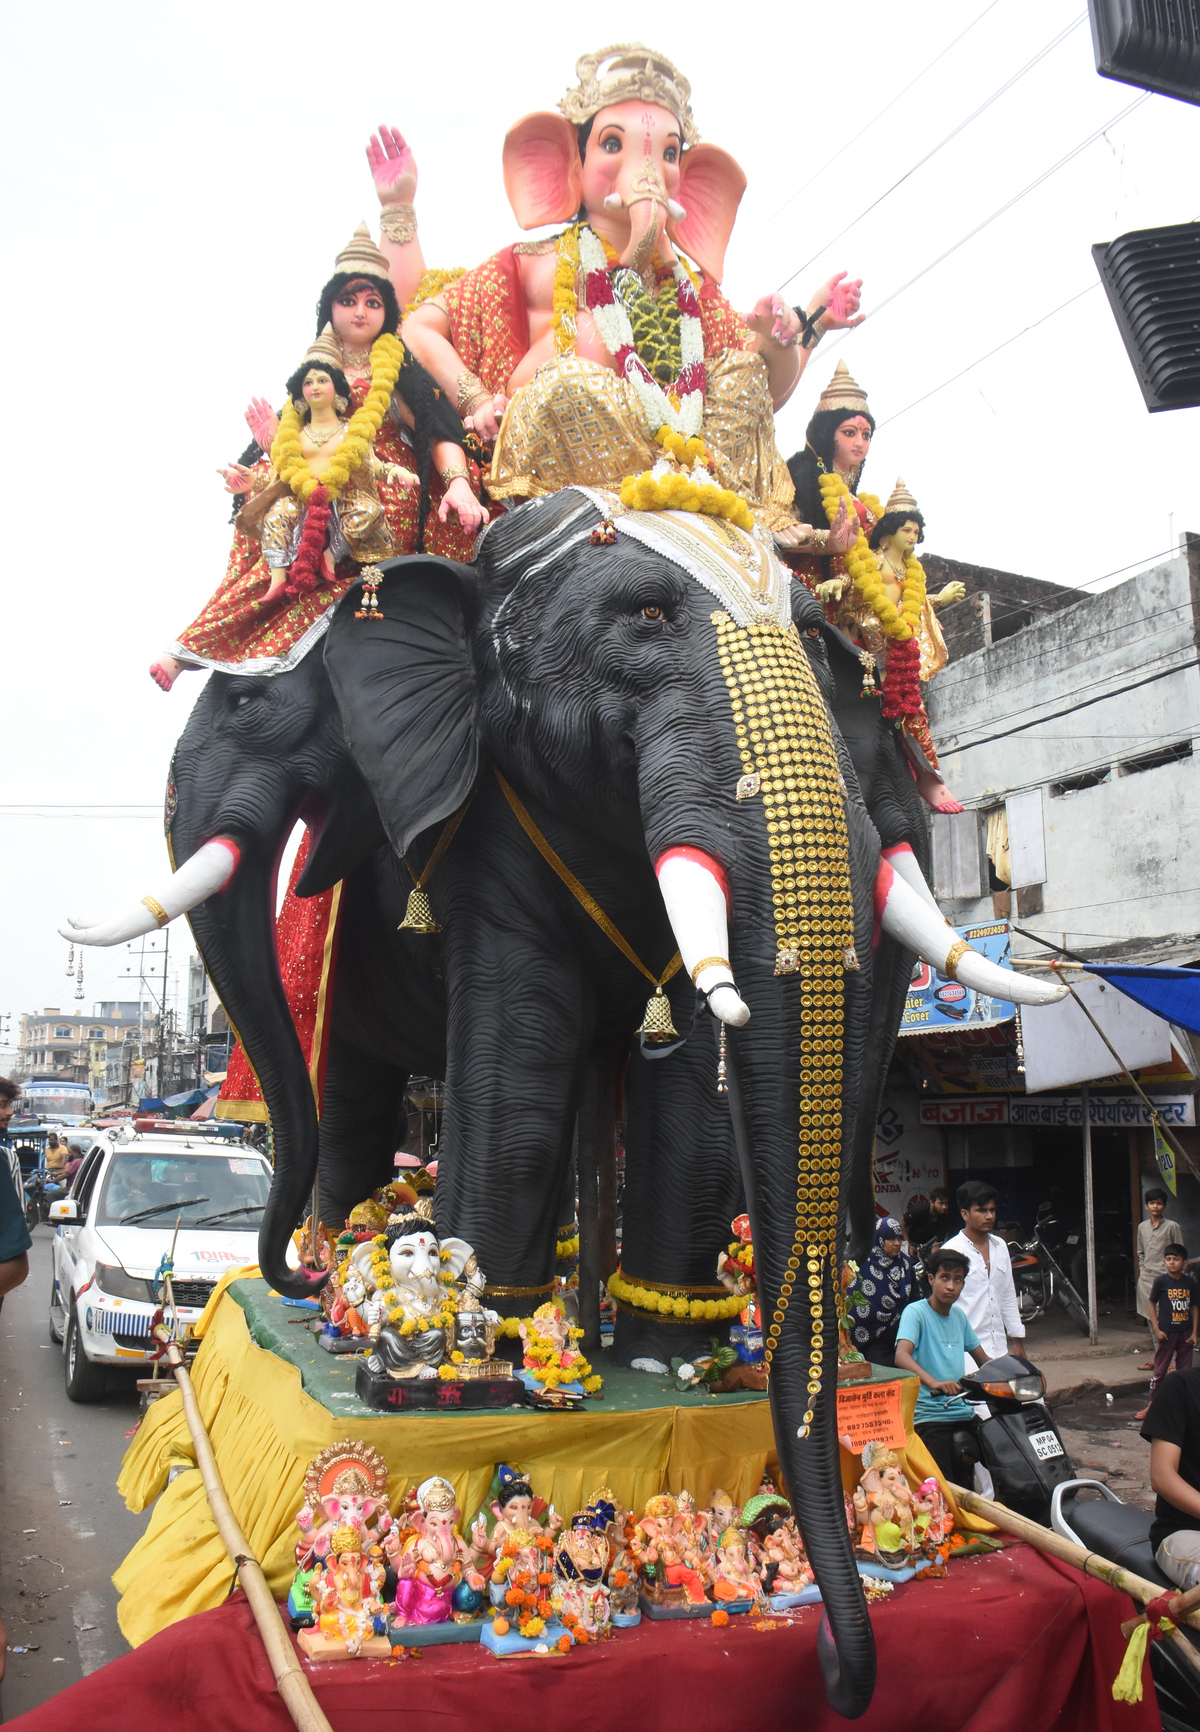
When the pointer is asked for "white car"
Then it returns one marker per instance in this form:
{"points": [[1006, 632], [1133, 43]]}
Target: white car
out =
{"points": [[118, 1222]]}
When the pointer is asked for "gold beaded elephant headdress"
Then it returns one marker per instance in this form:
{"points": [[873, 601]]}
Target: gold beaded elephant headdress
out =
{"points": [[629, 72]]}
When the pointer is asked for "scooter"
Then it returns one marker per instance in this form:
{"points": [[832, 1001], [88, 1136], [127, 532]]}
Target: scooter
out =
{"points": [[1020, 1449], [1121, 1532], [1040, 1278]]}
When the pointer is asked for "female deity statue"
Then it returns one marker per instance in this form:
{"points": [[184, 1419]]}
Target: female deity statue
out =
{"points": [[432, 1557], [837, 441], [395, 407], [585, 355]]}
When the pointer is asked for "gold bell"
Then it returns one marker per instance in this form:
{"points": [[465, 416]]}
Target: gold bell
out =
{"points": [[418, 916], [657, 1028]]}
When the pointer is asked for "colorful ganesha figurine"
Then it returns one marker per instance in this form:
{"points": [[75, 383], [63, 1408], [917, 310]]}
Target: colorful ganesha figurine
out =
{"points": [[431, 1558], [883, 1507], [347, 1482]]}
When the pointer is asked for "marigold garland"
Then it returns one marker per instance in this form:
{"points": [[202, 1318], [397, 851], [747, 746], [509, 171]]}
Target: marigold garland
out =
{"points": [[566, 1248], [432, 283], [291, 465], [551, 1366], [861, 563], [686, 1310]]}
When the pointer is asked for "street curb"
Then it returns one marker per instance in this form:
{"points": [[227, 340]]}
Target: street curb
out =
{"points": [[1087, 1384]]}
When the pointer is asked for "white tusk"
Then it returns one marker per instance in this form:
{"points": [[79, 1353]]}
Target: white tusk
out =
{"points": [[208, 870], [903, 862], [614, 201], [675, 209], [699, 919], [908, 918]]}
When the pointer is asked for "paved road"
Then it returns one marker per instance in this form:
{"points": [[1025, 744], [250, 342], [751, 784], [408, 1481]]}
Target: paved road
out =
{"points": [[65, 1528]]}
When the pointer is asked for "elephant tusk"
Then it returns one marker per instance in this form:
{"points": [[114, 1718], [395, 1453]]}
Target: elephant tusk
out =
{"points": [[903, 862], [693, 889], [614, 202], [676, 210], [205, 872], [908, 918]]}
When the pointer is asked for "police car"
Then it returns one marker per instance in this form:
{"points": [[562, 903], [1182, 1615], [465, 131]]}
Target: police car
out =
{"points": [[118, 1222]]}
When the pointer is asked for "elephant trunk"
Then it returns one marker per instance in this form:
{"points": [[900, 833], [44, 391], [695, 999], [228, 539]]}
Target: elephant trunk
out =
{"points": [[235, 933]]}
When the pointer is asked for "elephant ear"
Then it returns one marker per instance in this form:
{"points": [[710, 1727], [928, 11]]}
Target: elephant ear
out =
{"points": [[543, 175], [711, 185], [407, 690]]}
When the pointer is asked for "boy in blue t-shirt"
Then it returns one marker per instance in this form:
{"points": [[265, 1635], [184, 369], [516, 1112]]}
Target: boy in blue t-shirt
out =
{"points": [[933, 1336]]}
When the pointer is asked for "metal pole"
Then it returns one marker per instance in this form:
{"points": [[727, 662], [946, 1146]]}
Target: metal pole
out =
{"points": [[587, 1172], [1089, 1217]]}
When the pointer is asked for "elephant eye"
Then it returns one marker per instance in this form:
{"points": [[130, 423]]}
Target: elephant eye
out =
{"points": [[652, 611], [611, 144], [814, 631]]}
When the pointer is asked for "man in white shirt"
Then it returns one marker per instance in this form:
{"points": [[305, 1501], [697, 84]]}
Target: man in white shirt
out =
{"points": [[988, 1296]]}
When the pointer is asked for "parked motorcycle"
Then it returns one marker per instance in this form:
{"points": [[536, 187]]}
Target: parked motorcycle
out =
{"points": [[1121, 1532], [1040, 1276], [37, 1203], [1020, 1448]]}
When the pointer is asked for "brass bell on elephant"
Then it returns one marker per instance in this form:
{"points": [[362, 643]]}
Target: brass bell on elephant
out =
{"points": [[418, 916], [657, 1028]]}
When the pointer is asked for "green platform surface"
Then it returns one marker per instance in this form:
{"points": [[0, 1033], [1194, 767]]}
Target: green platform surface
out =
{"points": [[329, 1377]]}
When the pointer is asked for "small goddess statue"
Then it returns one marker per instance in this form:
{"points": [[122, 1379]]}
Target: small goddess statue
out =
{"points": [[513, 1510]]}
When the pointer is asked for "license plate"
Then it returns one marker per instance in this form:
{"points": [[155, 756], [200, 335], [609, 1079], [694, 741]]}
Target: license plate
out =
{"points": [[1045, 1445]]}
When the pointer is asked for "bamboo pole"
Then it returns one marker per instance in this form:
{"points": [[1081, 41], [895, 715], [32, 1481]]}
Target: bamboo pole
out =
{"points": [[290, 1680], [1183, 1609], [1185, 1603]]}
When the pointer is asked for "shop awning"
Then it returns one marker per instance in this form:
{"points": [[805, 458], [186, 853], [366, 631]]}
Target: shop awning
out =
{"points": [[1172, 993]]}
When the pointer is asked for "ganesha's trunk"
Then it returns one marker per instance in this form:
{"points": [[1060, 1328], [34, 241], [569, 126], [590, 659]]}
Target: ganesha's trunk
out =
{"points": [[235, 934]]}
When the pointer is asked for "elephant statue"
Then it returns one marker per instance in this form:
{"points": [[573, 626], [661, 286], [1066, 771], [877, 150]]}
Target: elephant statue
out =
{"points": [[637, 725]]}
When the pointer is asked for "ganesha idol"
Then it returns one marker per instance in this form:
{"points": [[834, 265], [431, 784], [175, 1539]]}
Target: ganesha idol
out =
{"points": [[435, 1567], [416, 1277], [586, 356]]}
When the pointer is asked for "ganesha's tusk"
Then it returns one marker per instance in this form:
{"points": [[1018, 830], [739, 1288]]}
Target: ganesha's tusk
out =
{"points": [[693, 888], [614, 202], [903, 861], [676, 210], [205, 872], [907, 917]]}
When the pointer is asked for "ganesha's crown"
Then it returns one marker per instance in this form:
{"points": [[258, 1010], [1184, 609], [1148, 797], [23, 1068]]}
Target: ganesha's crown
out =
{"points": [[629, 72]]}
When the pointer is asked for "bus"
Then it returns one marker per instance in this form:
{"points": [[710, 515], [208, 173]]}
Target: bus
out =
{"points": [[52, 1101]]}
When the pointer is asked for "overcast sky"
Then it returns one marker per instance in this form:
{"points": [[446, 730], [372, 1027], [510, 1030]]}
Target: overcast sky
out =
{"points": [[178, 181]]}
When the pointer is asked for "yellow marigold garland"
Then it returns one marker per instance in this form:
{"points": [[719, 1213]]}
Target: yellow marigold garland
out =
{"points": [[432, 283], [566, 294], [678, 492], [863, 567], [684, 1309], [566, 1248], [291, 465]]}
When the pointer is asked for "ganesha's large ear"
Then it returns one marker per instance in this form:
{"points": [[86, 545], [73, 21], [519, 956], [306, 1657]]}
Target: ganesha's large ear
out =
{"points": [[543, 175], [711, 185], [406, 688]]}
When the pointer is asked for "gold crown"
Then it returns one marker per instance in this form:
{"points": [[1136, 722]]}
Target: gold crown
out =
{"points": [[629, 72], [436, 1496], [843, 392], [360, 256], [901, 499], [662, 1504], [324, 351], [345, 1540]]}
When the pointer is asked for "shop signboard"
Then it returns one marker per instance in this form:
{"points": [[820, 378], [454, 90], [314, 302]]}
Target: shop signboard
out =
{"points": [[935, 1003], [1041, 1112]]}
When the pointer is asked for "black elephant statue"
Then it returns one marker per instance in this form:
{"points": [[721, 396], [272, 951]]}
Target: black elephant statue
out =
{"points": [[632, 726]]}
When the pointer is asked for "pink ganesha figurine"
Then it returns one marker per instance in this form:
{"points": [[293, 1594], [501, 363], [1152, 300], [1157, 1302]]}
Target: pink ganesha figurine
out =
{"points": [[347, 1482], [431, 1558]]}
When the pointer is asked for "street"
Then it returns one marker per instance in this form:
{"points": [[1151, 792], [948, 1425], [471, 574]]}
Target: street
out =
{"points": [[67, 1528]]}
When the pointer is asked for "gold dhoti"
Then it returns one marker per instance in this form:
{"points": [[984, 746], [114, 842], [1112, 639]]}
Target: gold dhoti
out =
{"points": [[577, 423]]}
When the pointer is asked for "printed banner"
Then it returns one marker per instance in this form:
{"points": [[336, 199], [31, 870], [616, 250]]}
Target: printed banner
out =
{"points": [[870, 1413], [935, 1002], [1165, 1156], [1042, 1111], [964, 1112]]}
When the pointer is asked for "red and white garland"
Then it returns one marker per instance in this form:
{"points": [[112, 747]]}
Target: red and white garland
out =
{"points": [[612, 321]]}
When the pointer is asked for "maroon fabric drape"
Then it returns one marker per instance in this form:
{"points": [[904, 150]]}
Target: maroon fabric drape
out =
{"points": [[1009, 1640]]}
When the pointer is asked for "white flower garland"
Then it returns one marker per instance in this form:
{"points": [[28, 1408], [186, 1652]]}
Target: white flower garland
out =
{"points": [[616, 333]]}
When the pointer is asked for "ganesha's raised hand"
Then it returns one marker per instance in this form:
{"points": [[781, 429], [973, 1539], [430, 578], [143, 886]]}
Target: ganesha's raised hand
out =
{"points": [[393, 166], [262, 421], [775, 320], [840, 299]]}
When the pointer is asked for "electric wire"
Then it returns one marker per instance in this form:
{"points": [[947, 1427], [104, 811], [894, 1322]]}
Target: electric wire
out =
{"points": [[1077, 703], [876, 118], [1039, 180], [942, 143]]}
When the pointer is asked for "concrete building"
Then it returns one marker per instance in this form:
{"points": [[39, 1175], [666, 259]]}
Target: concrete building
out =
{"points": [[1067, 723]]}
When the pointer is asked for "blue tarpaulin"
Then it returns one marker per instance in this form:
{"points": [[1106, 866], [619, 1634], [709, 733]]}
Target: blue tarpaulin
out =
{"points": [[1172, 993]]}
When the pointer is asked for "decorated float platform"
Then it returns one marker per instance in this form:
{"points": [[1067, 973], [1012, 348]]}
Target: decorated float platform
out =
{"points": [[272, 1399], [1011, 1638]]}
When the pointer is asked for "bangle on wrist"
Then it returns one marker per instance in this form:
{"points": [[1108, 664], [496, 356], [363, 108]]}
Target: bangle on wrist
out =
{"points": [[454, 472], [398, 224], [470, 393]]}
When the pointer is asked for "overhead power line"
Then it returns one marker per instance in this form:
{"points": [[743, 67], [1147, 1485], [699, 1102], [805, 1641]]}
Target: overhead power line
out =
{"points": [[874, 121], [1039, 180], [940, 145]]}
